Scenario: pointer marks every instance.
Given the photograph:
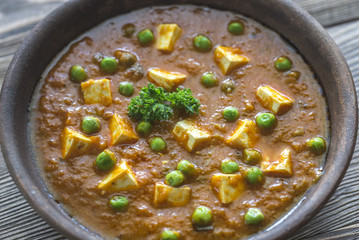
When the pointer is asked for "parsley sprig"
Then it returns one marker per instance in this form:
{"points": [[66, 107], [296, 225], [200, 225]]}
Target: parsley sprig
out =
{"points": [[154, 104]]}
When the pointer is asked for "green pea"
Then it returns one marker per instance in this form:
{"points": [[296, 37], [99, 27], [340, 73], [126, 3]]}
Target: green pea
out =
{"points": [[254, 175], [209, 80], [227, 86], [202, 43], [229, 166], [144, 129], [202, 216], [157, 144], [235, 28], [126, 89], [128, 29], [105, 160], [174, 178], [253, 216], [78, 74], [119, 203], [90, 124], [109, 65], [317, 145], [283, 64], [265, 121], [145, 36], [231, 114], [186, 167], [168, 234], [251, 156], [127, 59]]}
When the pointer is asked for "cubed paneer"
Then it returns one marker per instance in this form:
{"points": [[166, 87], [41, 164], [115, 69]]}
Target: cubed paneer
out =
{"points": [[244, 136], [97, 91], [171, 196], [167, 35], [190, 136], [121, 178], [168, 80], [229, 58], [74, 143], [227, 187], [273, 100], [279, 168], [121, 131]]}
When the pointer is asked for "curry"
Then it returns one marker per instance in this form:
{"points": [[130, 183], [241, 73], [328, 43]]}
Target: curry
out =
{"points": [[179, 122]]}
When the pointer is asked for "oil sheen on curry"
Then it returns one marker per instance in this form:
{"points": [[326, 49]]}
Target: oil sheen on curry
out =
{"points": [[179, 122]]}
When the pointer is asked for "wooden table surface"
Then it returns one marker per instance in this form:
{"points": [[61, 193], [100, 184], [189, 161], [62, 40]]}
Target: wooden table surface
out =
{"points": [[339, 218]]}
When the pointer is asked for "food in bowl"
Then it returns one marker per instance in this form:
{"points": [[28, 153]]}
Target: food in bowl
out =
{"points": [[179, 122]]}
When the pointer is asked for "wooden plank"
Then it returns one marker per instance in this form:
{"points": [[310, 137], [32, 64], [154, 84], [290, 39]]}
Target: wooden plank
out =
{"points": [[331, 12], [346, 233], [17, 14], [339, 219]]}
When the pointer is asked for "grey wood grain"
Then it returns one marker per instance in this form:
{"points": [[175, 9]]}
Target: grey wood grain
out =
{"points": [[331, 12], [339, 219]]}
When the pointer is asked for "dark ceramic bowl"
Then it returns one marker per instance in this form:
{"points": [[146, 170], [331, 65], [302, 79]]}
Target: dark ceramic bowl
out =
{"points": [[52, 34]]}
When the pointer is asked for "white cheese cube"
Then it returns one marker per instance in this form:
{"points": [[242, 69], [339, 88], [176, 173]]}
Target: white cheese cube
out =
{"points": [[244, 136], [279, 168], [273, 100], [121, 178], [227, 187], [171, 196], [229, 58], [74, 143], [168, 80], [190, 136], [97, 91], [167, 35], [121, 131]]}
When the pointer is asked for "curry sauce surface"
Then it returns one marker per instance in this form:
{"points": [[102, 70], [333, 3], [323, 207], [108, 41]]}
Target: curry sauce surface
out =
{"points": [[73, 182]]}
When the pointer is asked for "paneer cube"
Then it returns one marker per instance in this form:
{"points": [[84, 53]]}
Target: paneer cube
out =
{"points": [[168, 80], [171, 196], [190, 136], [121, 178], [121, 131], [74, 143], [227, 187], [229, 58], [273, 100], [97, 91], [167, 35], [244, 136], [279, 168]]}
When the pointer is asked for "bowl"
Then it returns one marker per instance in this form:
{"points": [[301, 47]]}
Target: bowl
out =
{"points": [[53, 33]]}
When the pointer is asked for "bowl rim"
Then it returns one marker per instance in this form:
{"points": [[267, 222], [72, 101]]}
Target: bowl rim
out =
{"points": [[50, 210]]}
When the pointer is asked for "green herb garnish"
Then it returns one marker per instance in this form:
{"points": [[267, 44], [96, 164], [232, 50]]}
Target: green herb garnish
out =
{"points": [[155, 104], [182, 99]]}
